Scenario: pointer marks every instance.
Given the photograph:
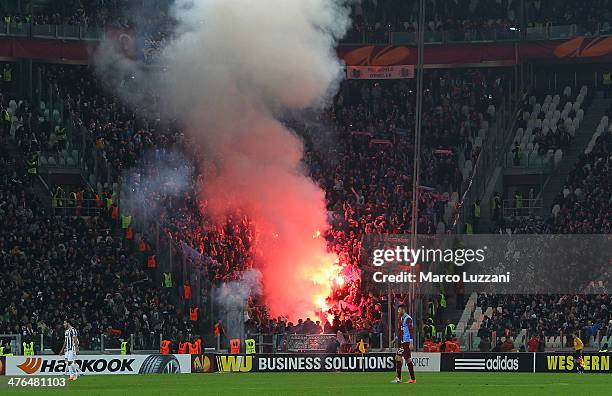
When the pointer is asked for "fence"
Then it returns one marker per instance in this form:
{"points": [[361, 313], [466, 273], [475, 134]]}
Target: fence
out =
{"points": [[530, 207], [383, 37], [562, 341], [61, 206], [529, 160], [64, 32], [286, 342], [100, 343]]}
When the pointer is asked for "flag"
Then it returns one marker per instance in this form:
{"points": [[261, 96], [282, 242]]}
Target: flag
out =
{"points": [[361, 347]]}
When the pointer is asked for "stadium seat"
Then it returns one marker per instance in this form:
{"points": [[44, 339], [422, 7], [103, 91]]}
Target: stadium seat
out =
{"points": [[536, 109], [526, 115], [519, 134], [538, 123], [491, 111], [558, 157], [567, 92], [555, 210]]}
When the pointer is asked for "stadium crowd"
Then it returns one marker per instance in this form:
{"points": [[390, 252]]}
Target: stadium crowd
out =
{"points": [[465, 18], [372, 124], [582, 207], [71, 266], [366, 175]]}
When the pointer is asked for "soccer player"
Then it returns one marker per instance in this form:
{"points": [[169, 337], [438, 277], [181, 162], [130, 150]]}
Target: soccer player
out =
{"points": [[70, 350], [404, 335], [578, 344], [579, 363]]}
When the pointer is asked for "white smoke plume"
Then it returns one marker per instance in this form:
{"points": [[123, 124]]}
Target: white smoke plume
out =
{"points": [[231, 299], [158, 174], [232, 67]]}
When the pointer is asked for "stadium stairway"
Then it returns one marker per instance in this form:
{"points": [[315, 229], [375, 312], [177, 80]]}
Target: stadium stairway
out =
{"points": [[466, 319], [556, 181], [39, 189]]}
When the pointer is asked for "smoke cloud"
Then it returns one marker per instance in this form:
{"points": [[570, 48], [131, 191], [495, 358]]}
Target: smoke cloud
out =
{"points": [[231, 298], [231, 69], [158, 174]]}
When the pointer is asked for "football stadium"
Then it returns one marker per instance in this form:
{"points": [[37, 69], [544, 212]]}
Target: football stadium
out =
{"points": [[305, 197]]}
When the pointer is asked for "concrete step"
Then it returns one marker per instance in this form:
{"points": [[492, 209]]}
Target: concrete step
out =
{"points": [[556, 181]]}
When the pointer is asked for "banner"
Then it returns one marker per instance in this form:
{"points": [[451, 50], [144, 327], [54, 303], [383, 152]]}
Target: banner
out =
{"points": [[491, 362], [370, 362], [100, 364], [424, 362], [566, 362], [379, 72], [308, 342], [597, 49], [203, 363]]}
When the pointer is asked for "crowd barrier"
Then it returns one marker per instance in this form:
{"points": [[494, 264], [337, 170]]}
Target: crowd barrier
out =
{"points": [[542, 362]]}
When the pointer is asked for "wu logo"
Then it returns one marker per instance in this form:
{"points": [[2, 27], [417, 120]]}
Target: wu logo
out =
{"points": [[235, 363]]}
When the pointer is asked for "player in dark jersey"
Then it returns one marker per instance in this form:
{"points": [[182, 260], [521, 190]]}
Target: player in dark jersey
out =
{"points": [[404, 336]]}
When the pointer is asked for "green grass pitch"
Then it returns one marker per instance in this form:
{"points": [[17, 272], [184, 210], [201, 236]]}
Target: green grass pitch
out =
{"points": [[335, 384]]}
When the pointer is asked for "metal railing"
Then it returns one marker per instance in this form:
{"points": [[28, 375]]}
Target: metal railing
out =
{"points": [[529, 160], [62, 206], [543, 32], [529, 207], [63, 32], [277, 342], [100, 343], [383, 37], [561, 341]]}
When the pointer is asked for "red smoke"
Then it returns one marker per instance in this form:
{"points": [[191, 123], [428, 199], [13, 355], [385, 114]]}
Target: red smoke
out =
{"points": [[261, 174]]}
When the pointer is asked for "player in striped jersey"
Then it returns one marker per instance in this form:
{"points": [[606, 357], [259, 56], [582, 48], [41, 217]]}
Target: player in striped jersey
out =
{"points": [[70, 350], [405, 338]]}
